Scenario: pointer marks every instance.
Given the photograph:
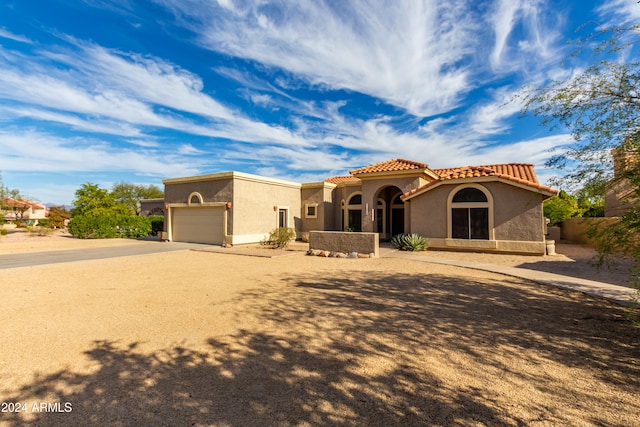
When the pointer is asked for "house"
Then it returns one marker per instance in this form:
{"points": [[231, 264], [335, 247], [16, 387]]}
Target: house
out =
{"points": [[620, 195], [25, 210], [481, 208], [152, 207]]}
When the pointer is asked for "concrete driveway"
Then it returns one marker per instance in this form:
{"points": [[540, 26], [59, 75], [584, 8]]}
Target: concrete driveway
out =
{"points": [[70, 255]]}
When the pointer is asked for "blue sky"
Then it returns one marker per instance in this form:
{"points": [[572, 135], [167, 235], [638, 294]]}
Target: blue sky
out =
{"points": [[106, 91]]}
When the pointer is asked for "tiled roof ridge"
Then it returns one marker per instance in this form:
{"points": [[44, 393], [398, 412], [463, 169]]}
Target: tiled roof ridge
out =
{"points": [[341, 178], [396, 164], [520, 173]]}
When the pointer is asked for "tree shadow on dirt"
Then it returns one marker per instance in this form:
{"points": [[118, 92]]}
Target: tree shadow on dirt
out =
{"points": [[368, 349]]}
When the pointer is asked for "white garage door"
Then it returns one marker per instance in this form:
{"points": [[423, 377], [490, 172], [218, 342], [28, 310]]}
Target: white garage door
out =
{"points": [[198, 225]]}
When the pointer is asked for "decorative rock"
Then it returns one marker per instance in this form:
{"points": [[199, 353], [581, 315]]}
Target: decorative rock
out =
{"points": [[314, 252], [341, 255], [353, 255], [333, 254], [372, 255], [324, 254], [363, 255]]}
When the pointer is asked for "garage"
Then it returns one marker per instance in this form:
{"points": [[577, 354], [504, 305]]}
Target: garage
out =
{"points": [[198, 224]]}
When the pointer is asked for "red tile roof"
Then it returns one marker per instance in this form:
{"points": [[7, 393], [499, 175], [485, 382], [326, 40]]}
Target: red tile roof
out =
{"points": [[519, 173], [10, 202], [341, 179], [392, 165]]}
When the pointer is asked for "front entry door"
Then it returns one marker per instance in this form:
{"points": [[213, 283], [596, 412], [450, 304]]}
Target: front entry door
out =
{"points": [[355, 219], [397, 221]]}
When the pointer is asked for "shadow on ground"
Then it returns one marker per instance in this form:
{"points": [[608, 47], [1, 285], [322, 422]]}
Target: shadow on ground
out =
{"points": [[583, 265], [374, 350]]}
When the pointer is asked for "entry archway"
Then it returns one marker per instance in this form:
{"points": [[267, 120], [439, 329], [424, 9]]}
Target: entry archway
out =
{"points": [[389, 213]]}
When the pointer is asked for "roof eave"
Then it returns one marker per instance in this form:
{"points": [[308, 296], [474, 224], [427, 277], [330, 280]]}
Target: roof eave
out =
{"points": [[546, 191]]}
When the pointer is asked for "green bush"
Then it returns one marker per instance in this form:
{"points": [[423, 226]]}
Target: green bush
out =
{"points": [[157, 224], [280, 237], [109, 226], [44, 222], [3, 231], [409, 242]]}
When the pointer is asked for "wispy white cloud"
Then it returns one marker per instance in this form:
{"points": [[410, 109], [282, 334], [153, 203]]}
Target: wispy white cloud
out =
{"points": [[619, 12], [108, 87], [310, 63], [537, 39], [104, 126], [6, 34], [407, 53], [31, 150], [421, 56]]}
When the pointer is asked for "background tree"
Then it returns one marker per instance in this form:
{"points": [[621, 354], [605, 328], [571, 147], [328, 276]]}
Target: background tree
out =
{"points": [[99, 213], [58, 215], [130, 194], [92, 200], [560, 207], [600, 106]]}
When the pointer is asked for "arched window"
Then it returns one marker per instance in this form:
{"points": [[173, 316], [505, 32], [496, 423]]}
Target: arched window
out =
{"points": [[195, 198], [469, 195], [470, 213]]}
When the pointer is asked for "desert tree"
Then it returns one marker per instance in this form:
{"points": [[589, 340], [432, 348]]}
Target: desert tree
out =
{"points": [[130, 194], [600, 106]]}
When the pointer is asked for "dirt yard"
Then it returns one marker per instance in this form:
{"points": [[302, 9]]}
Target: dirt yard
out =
{"points": [[194, 339]]}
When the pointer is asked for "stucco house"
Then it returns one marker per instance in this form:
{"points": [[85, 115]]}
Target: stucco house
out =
{"points": [[481, 208], [620, 194], [26, 210]]}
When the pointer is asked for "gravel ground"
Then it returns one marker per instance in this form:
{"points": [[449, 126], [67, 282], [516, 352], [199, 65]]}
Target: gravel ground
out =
{"points": [[195, 338]]}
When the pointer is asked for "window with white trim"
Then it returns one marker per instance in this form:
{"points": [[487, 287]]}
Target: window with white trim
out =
{"points": [[311, 210]]}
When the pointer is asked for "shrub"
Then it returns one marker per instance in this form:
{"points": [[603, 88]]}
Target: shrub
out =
{"points": [[44, 222], [109, 226], [280, 237], [409, 242], [157, 224], [3, 231], [39, 231]]}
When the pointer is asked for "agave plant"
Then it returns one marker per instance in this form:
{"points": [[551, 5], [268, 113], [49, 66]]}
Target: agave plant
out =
{"points": [[409, 242], [396, 241]]}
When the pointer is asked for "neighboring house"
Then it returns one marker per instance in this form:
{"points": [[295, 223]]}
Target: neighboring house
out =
{"points": [[486, 208], [619, 197], [151, 207], [32, 211]]}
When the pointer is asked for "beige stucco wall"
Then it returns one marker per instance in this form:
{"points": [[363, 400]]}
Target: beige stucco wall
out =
{"points": [[517, 218], [618, 200], [218, 188], [253, 198], [429, 212], [256, 204], [576, 229], [518, 213], [320, 194]]}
